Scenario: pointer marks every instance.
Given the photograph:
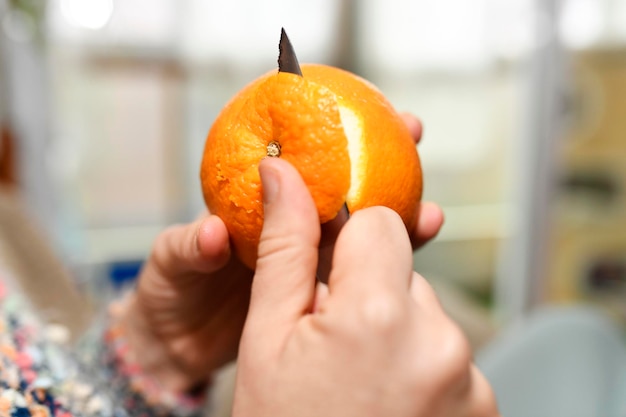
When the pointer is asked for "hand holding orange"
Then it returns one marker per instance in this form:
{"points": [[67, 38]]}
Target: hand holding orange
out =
{"points": [[341, 134]]}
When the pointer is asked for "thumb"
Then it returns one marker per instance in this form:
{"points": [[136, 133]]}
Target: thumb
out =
{"points": [[284, 283]]}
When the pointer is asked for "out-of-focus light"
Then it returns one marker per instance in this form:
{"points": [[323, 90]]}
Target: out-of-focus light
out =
{"points": [[510, 28], [18, 26], [619, 20], [405, 36], [581, 23], [88, 14]]}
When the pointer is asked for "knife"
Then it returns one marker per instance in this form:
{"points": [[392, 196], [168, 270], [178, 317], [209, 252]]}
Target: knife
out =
{"points": [[288, 62]]}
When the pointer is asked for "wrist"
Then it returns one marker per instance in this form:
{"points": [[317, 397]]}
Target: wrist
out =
{"points": [[145, 358]]}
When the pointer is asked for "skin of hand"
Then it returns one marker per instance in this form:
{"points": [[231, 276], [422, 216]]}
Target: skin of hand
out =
{"points": [[374, 342], [186, 316]]}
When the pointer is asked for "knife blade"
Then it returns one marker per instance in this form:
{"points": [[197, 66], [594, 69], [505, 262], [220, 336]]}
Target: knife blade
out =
{"points": [[288, 62]]}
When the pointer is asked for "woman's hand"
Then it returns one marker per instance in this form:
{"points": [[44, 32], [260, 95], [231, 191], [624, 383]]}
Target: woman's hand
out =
{"points": [[186, 317], [374, 343]]}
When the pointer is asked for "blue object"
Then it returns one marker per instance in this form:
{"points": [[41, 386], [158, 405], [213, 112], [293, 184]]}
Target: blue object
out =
{"points": [[122, 273]]}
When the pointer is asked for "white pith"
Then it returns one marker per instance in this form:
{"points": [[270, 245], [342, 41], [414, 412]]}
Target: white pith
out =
{"points": [[353, 128]]}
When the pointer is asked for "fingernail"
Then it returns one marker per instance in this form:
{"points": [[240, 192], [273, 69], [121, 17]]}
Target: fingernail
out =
{"points": [[203, 227], [270, 180]]}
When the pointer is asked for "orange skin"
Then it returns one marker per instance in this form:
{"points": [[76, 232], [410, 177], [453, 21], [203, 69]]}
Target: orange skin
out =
{"points": [[188, 312]]}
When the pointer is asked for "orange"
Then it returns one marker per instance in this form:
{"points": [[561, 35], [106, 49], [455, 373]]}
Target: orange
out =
{"points": [[338, 130]]}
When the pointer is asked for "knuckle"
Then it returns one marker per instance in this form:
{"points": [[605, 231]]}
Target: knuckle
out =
{"points": [[382, 313], [281, 246], [163, 238], [454, 356], [485, 405], [484, 399], [162, 250]]}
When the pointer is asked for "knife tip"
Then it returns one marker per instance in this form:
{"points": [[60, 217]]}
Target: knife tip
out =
{"points": [[284, 40], [287, 60]]}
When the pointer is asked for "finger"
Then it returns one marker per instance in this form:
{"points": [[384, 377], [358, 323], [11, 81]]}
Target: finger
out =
{"points": [[429, 223], [284, 283], [201, 246], [373, 254], [415, 126]]}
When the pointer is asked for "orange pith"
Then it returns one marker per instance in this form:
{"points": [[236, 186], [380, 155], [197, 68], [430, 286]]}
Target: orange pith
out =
{"points": [[341, 134]]}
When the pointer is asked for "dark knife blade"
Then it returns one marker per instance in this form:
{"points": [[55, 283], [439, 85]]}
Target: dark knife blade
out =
{"points": [[288, 62], [330, 231]]}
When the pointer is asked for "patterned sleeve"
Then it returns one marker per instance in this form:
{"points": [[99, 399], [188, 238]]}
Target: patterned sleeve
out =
{"points": [[41, 375]]}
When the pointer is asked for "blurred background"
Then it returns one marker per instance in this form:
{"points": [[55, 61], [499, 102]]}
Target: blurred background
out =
{"points": [[105, 106]]}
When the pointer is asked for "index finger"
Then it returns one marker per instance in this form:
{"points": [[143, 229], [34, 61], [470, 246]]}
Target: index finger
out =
{"points": [[414, 124]]}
